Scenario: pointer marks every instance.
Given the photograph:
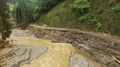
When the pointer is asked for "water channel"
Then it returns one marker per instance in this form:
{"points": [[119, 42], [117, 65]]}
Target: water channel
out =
{"points": [[57, 54]]}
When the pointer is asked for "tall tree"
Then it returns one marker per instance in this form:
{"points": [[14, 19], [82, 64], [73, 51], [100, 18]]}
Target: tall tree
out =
{"points": [[42, 6], [5, 25], [22, 12]]}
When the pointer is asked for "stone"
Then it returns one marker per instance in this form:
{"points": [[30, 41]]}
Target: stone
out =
{"points": [[94, 44], [21, 55], [77, 61]]}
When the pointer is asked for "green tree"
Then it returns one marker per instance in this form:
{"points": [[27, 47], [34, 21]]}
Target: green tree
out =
{"points": [[42, 6], [80, 6], [5, 25], [23, 13]]}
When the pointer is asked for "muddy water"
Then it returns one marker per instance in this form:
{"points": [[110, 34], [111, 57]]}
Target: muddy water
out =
{"points": [[88, 58], [57, 54]]}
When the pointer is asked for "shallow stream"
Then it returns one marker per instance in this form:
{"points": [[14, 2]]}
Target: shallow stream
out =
{"points": [[57, 54]]}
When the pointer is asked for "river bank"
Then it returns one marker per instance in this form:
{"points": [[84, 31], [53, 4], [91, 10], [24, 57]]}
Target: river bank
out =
{"points": [[57, 54], [100, 47]]}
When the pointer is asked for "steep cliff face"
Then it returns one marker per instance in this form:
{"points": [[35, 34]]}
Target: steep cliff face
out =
{"points": [[107, 13]]}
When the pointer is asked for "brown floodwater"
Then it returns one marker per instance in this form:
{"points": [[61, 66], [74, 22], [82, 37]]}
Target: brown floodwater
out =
{"points": [[57, 54], [88, 58]]}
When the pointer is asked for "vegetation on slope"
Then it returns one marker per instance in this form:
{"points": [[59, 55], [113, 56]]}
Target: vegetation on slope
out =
{"points": [[11, 5], [69, 15], [92, 15], [25, 13], [82, 14], [107, 13]]}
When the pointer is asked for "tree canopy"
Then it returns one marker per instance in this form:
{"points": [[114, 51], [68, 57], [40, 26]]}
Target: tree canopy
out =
{"points": [[42, 6], [23, 13], [5, 25]]}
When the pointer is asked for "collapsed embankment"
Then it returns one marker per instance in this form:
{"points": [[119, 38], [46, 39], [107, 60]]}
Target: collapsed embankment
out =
{"points": [[100, 47]]}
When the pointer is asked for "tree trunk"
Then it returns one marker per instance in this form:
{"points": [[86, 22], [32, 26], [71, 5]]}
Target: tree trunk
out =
{"points": [[1, 27]]}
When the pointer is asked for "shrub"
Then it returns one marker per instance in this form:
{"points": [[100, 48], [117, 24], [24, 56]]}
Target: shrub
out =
{"points": [[88, 19], [116, 9], [80, 6], [63, 5], [110, 2]]}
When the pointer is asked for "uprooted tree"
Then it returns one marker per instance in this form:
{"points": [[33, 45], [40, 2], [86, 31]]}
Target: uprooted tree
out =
{"points": [[5, 25]]}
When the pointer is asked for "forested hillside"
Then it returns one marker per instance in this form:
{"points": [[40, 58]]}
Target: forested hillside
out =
{"points": [[92, 15], [100, 16]]}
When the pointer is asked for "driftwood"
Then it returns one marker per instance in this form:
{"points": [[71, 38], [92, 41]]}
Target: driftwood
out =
{"points": [[5, 44], [115, 59]]}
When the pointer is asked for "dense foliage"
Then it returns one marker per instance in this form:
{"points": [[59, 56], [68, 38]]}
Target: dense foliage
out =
{"points": [[5, 25], [116, 9], [42, 6], [81, 7], [23, 13]]}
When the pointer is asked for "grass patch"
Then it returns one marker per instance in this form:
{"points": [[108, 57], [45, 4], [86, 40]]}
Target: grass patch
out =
{"points": [[116, 9], [36, 24], [11, 5]]}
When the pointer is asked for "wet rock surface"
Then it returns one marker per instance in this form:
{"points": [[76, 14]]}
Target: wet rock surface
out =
{"points": [[20, 54], [77, 61], [100, 47], [22, 33]]}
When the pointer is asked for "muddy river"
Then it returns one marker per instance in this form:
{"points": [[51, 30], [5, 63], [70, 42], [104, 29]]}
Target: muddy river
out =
{"points": [[57, 54]]}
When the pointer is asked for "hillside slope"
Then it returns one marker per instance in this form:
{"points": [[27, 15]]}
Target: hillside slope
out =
{"points": [[107, 13]]}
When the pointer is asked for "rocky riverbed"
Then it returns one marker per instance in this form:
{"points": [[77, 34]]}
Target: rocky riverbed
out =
{"points": [[29, 51], [19, 54], [102, 48]]}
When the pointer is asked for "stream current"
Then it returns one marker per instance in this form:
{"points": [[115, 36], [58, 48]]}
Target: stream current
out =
{"points": [[57, 54]]}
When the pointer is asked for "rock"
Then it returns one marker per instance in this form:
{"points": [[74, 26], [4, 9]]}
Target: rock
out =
{"points": [[77, 61], [21, 54], [99, 46]]}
